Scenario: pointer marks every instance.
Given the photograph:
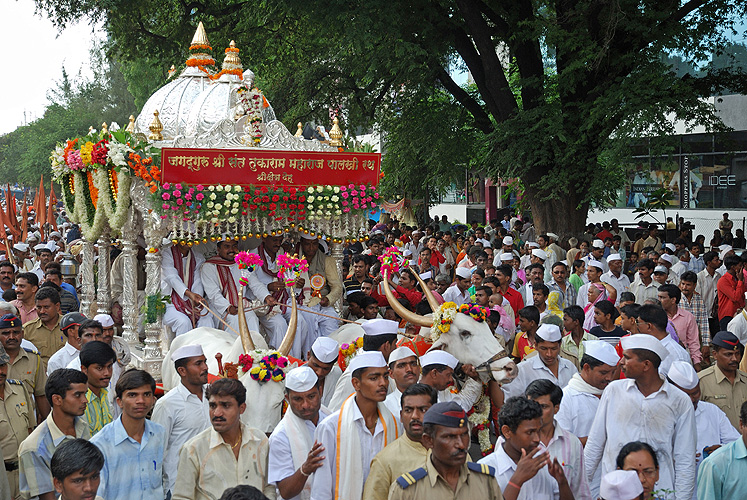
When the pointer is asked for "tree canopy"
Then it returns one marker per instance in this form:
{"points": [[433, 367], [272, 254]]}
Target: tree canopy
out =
{"points": [[560, 87]]}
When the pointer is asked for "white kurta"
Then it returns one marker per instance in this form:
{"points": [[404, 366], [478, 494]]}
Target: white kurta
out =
{"points": [[326, 434], [541, 487], [329, 384], [220, 304], [280, 462], [452, 294], [171, 281], [676, 353], [664, 419], [534, 369], [621, 284], [184, 416], [577, 411], [713, 428]]}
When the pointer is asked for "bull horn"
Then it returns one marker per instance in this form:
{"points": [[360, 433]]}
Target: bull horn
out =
{"points": [[403, 312], [428, 294], [246, 336], [290, 334]]}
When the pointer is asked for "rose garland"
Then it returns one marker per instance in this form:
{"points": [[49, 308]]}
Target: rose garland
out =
{"points": [[328, 201]]}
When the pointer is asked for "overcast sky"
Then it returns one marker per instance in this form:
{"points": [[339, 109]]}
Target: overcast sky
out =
{"points": [[43, 53]]}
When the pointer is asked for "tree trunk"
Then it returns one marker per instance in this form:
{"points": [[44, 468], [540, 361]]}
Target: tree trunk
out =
{"points": [[562, 216]]}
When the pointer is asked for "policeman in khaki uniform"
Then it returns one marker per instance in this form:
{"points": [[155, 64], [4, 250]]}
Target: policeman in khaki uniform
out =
{"points": [[446, 474], [16, 421], [724, 384], [25, 365]]}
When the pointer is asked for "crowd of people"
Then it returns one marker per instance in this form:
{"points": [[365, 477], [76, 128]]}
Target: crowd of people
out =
{"points": [[628, 381]]}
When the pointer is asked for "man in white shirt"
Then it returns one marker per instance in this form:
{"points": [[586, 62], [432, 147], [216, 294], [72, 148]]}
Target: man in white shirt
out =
{"points": [[181, 280], [294, 455], [322, 358], [615, 276], [682, 264], [712, 424], [706, 286], [652, 320], [643, 407], [437, 369], [457, 292], [581, 396], [353, 435], [70, 351], [265, 286], [183, 411], [644, 286], [220, 278], [547, 363], [596, 253], [535, 273], [521, 477], [405, 370]]}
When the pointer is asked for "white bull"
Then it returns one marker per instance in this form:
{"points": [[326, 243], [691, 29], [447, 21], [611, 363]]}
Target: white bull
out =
{"points": [[263, 399]]}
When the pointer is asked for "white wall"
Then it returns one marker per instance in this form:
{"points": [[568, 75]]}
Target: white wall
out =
{"points": [[453, 211]]}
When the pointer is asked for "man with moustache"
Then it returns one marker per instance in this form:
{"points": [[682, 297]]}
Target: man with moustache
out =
{"points": [[294, 455], [322, 358], [183, 411], [405, 370], [408, 450], [226, 454], [352, 436], [446, 474]]}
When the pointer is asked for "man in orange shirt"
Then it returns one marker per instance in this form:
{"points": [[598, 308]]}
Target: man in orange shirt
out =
{"points": [[730, 290]]}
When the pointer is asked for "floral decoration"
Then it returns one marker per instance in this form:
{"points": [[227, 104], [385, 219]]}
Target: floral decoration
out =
{"points": [[290, 268], [348, 351], [264, 366], [328, 201], [391, 260], [478, 313], [442, 319], [479, 417], [247, 262]]}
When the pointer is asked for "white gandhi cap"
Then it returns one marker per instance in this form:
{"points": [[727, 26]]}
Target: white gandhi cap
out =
{"points": [[613, 257], [540, 254], [105, 320], [438, 357], [644, 341], [505, 257], [187, 351], [380, 326], [325, 349], [367, 359], [602, 351], [300, 379], [595, 263], [683, 374], [597, 244], [549, 333], [533, 244], [401, 353], [621, 485], [508, 240], [463, 272]]}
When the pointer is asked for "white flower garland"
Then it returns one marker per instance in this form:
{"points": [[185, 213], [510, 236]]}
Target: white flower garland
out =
{"points": [[104, 212]]}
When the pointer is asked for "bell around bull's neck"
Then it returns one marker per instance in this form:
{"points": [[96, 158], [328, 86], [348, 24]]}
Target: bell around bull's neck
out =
{"points": [[246, 336], [401, 310], [290, 334]]}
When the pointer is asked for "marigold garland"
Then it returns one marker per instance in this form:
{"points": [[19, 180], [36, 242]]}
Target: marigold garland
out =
{"points": [[94, 193]]}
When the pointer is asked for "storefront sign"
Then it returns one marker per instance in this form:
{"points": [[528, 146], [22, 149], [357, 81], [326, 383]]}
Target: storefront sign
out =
{"points": [[268, 167], [685, 182]]}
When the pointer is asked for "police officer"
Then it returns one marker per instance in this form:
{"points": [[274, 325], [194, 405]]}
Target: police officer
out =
{"points": [[724, 384], [16, 420], [446, 474], [25, 364]]}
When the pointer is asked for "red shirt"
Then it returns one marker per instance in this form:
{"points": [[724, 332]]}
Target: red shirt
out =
{"points": [[730, 293], [604, 234], [516, 300]]}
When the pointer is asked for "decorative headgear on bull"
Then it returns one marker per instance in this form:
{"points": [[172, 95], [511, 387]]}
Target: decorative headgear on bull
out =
{"points": [[461, 329]]}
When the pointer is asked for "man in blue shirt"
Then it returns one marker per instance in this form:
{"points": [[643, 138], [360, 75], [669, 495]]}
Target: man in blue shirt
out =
{"points": [[132, 445], [721, 474]]}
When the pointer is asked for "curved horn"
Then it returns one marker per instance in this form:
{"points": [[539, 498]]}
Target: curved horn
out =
{"points": [[404, 313], [427, 291], [290, 334], [246, 336]]}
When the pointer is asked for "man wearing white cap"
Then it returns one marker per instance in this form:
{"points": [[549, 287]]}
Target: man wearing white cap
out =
{"points": [[560, 254], [581, 396], [621, 485], [712, 424], [380, 335], [547, 363], [653, 320], [265, 286], [406, 451], [437, 368], [183, 411], [21, 253], [667, 261], [322, 358], [457, 292], [181, 280], [596, 252], [615, 276], [321, 288], [405, 371], [643, 407], [44, 257], [353, 435], [294, 455], [594, 272]]}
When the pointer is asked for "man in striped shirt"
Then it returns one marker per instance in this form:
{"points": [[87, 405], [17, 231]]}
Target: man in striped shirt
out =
{"points": [[693, 303], [96, 360]]}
